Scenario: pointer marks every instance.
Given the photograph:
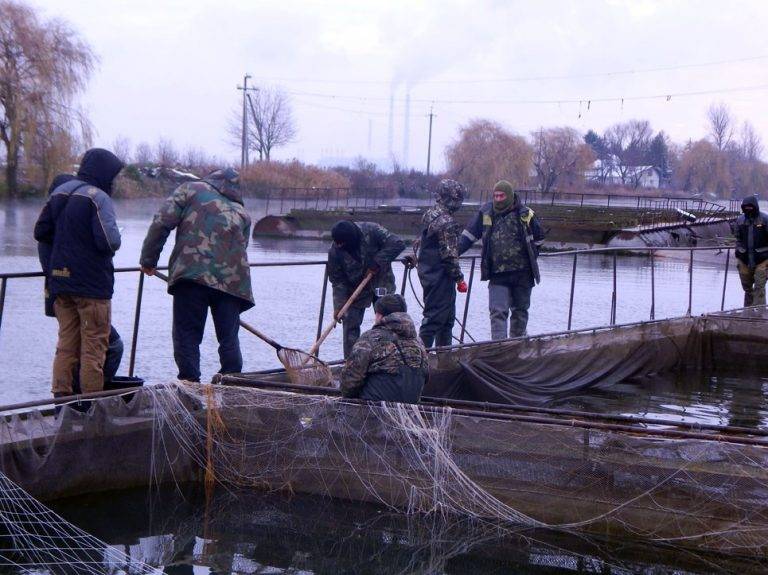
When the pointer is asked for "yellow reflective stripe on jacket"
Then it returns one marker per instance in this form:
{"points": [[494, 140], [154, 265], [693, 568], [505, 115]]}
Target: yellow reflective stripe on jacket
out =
{"points": [[526, 219]]}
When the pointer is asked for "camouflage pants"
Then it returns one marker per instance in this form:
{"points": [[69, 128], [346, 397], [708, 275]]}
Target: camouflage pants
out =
{"points": [[753, 282], [351, 328], [506, 296], [439, 312]]}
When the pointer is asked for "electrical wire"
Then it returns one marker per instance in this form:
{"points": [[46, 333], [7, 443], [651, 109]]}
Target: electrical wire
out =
{"points": [[666, 96], [513, 79]]}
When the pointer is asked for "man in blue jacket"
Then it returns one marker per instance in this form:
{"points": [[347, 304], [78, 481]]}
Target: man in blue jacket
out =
{"points": [[78, 223]]}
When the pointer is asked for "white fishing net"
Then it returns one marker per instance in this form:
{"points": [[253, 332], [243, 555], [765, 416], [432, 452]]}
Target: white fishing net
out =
{"points": [[689, 491], [34, 539]]}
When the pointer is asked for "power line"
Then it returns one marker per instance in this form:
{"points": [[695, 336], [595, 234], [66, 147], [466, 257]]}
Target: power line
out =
{"points": [[625, 72], [586, 100]]}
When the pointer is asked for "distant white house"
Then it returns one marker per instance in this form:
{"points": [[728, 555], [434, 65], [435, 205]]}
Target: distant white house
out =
{"points": [[609, 172]]}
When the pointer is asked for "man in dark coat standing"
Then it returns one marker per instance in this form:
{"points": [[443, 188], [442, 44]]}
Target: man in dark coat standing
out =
{"points": [[438, 264], [511, 236], [752, 251], [359, 248], [78, 223]]}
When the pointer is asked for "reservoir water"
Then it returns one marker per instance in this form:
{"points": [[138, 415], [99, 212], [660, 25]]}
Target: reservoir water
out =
{"points": [[288, 299], [242, 532]]}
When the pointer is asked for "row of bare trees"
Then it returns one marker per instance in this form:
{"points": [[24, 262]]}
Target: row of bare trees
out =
{"points": [[165, 154], [486, 151], [44, 67], [726, 163]]}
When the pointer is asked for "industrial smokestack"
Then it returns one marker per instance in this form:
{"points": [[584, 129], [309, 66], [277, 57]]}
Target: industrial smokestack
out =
{"points": [[391, 133], [406, 126]]}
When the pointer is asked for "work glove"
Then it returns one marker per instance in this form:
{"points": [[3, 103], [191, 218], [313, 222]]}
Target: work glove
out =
{"points": [[374, 268], [410, 262], [461, 286]]}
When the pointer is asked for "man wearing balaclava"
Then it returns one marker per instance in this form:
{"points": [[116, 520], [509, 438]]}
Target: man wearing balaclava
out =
{"points": [[359, 248], [511, 236], [438, 264], [78, 223], [752, 251]]}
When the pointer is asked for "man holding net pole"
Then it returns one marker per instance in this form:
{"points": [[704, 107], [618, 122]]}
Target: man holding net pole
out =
{"points": [[208, 268], [359, 248]]}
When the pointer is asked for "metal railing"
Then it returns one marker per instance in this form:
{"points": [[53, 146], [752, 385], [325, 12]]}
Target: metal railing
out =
{"points": [[282, 199], [574, 254]]}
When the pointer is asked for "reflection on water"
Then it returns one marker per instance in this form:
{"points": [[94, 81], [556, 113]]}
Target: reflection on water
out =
{"points": [[288, 300], [246, 532], [718, 399]]}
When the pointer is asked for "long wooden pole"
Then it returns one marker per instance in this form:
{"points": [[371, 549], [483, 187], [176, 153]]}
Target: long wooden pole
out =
{"points": [[342, 311]]}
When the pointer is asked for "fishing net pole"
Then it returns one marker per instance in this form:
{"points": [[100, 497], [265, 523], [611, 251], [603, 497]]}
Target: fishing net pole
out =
{"points": [[302, 367]]}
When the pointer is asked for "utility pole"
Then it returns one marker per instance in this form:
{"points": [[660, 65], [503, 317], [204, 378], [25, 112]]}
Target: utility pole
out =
{"points": [[429, 141], [244, 139]]}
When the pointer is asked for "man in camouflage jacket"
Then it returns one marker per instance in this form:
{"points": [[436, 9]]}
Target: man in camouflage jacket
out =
{"points": [[360, 247], [438, 264], [511, 236], [208, 267], [388, 362]]}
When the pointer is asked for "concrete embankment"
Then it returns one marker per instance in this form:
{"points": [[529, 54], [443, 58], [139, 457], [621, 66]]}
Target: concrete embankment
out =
{"points": [[567, 226]]}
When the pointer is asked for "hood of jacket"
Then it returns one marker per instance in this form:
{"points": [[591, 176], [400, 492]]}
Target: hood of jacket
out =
{"points": [[227, 183], [99, 168], [400, 323], [751, 201]]}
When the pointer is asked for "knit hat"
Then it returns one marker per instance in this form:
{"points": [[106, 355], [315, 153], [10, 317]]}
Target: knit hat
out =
{"points": [[347, 234], [450, 194], [509, 192], [390, 303]]}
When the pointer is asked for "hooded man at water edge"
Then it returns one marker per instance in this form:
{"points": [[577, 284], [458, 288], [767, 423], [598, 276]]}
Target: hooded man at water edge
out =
{"points": [[359, 248], [438, 264], [78, 224], [115, 345], [208, 267], [751, 231], [388, 362], [511, 236]]}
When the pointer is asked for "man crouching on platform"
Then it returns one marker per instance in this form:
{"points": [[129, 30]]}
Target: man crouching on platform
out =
{"points": [[388, 362]]}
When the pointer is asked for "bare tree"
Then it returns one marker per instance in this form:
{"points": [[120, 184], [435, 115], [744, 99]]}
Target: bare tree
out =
{"points": [[166, 154], [629, 144], [44, 66], [122, 148], [270, 122], [751, 146], [558, 152], [721, 125], [143, 154], [485, 152]]}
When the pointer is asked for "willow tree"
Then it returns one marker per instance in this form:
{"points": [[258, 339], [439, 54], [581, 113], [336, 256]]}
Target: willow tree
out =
{"points": [[44, 67]]}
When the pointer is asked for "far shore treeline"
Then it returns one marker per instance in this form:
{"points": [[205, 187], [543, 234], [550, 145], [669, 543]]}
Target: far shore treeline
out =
{"points": [[45, 67]]}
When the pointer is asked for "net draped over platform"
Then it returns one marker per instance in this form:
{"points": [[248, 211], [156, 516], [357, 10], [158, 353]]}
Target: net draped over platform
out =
{"points": [[701, 491]]}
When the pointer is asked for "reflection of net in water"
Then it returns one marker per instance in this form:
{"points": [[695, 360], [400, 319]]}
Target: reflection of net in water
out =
{"points": [[33, 537], [687, 491]]}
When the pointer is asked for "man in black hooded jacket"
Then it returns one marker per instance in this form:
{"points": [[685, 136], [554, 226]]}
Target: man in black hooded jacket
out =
{"points": [[78, 223], [752, 251]]}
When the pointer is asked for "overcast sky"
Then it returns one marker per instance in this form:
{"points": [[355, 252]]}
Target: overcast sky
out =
{"points": [[169, 68]]}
